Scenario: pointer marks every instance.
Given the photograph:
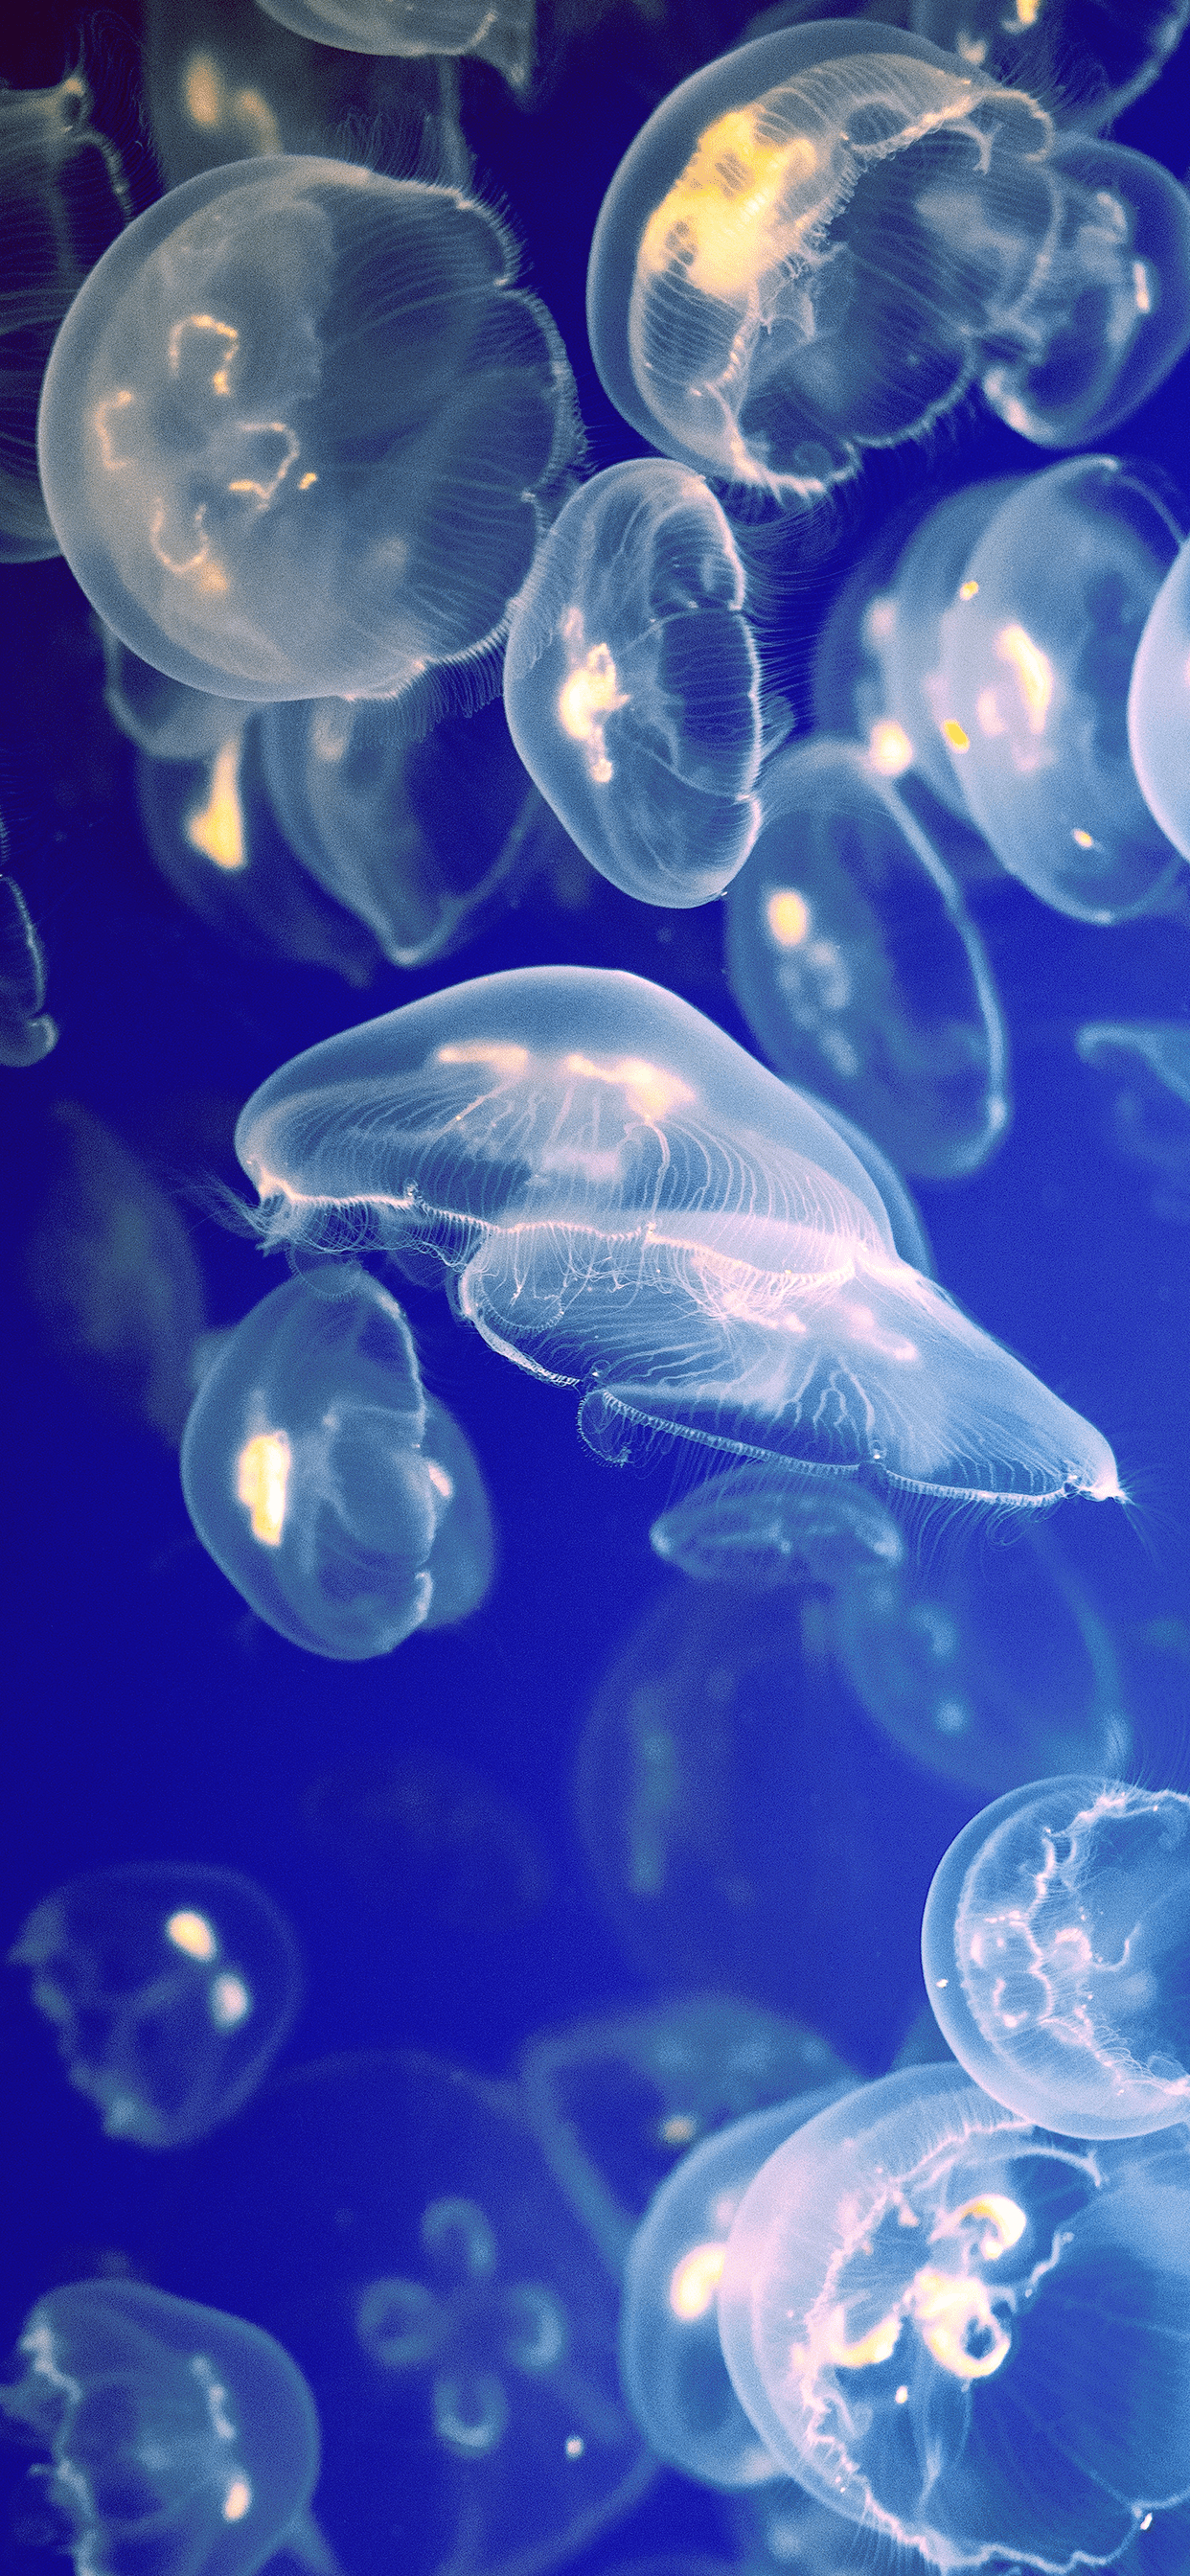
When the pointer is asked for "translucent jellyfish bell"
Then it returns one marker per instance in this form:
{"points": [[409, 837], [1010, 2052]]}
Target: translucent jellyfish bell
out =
{"points": [[502, 35], [753, 1526], [905, 2311], [27, 1033], [170, 1989], [853, 959], [1150, 1116], [1054, 1948], [1036, 649], [632, 685], [631, 1205], [1159, 705], [181, 2438], [305, 1474], [299, 432]]}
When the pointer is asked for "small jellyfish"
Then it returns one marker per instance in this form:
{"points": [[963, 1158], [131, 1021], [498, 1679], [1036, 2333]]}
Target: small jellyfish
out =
{"points": [[986, 1669], [854, 961], [501, 34], [316, 1481], [631, 1205], [1150, 1117], [1032, 686], [671, 2359], [617, 2102], [632, 685], [27, 1032], [182, 2439], [170, 1989], [921, 2291], [300, 432], [751, 1526], [1159, 705], [1094, 58], [1054, 1949]]}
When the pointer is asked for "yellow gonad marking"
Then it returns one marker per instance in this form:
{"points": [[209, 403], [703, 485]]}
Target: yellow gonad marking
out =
{"points": [[1006, 2223], [263, 492], [678, 2129], [1033, 669], [306, 481], [237, 2500], [201, 567], [871, 2349], [202, 90], [250, 109], [442, 1483], [506, 1060], [220, 378], [694, 2281], [734, 212], [193, 1934], [230, 2002], [787, 915], [590, 690], [952, 732], [945, 2311], [653, 1091], [1084, 840], [262, 1476], [968, 589], [889, 748], [217, 828], [952, 2311], [103, 411], [1027, 12], [1142, 286]]}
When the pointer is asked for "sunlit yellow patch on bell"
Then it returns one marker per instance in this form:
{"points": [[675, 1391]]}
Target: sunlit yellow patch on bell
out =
{"points": [[237, 2501], [968, 589], [889, 748], [1034, 672], [952, 733], [958, 2324], [226, 342], [876, 2346], [678, 2129], [191, 1933], [694, 2281], [217, 828], [590, 691], [787, 917], [1082, 840], [733, 213], [262, 1476], [505, 1060], [202, 90], [652, 1090]]}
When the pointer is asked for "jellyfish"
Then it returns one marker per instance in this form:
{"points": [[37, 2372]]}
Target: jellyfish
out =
{"points": [[316, 1480], [922, 2292], [632, 684], [300, 432], [27, 1032], [1032, 685], [1095, 59], [631, 1205], [854, 961], [164, 717], [904, 1216], [1150, 1118], [987, 1667], [500, 34], [1158, 704], [170, 1989], [751, 1526], [671, 2360], [819, 243], [1054, 1945], [618, 2102], [393, 2216]]}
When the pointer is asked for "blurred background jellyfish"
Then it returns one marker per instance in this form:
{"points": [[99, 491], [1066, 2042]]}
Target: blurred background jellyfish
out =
{"points": [[854, 961], [27, 1033], [550, 1134], [1031, 691], [432, 1840], [753, 1525], [632, 684], [170, 1990], [1091, 57], [987, 1669], [163, 717], [392, 2220], [180, 2438], [316, 1481], [1054, 1950], [501, 34], [618, 2102], [1157, 704], [301, 433], [904, 2310], [1149, 1122]]}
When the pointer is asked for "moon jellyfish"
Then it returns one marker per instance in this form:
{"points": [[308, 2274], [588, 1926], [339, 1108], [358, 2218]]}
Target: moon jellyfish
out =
{"points": [[300, 430], [316, 1480], [922, 2292], [27, 1032], [632, 685], [181, 2438], [500, 34], [170, 1990], [671, 2359], [1036, 650], [854, 962], [1054, 1948], [985, 1669], [629, 1204], [751, 1526], [1159, 704], [618, 2102], [393, 2219], [1150, 1117]]}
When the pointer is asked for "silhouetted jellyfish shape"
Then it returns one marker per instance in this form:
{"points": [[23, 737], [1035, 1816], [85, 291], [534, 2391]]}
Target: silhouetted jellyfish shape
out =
{"points": [[754, 1526], [299, 431], [414, 840], [182, 2439], [618, 2101], [1159, 705], [1054, 1949], [905, 2310], [170, 1988], [1094, 56], [1036, 649], [671, 2360], [305, 1476], [854, 961], [986, 1668], [1150, 1116], [630, 1204], [27, 1032], [393, 2217], [501, 34], [632, 685]]}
